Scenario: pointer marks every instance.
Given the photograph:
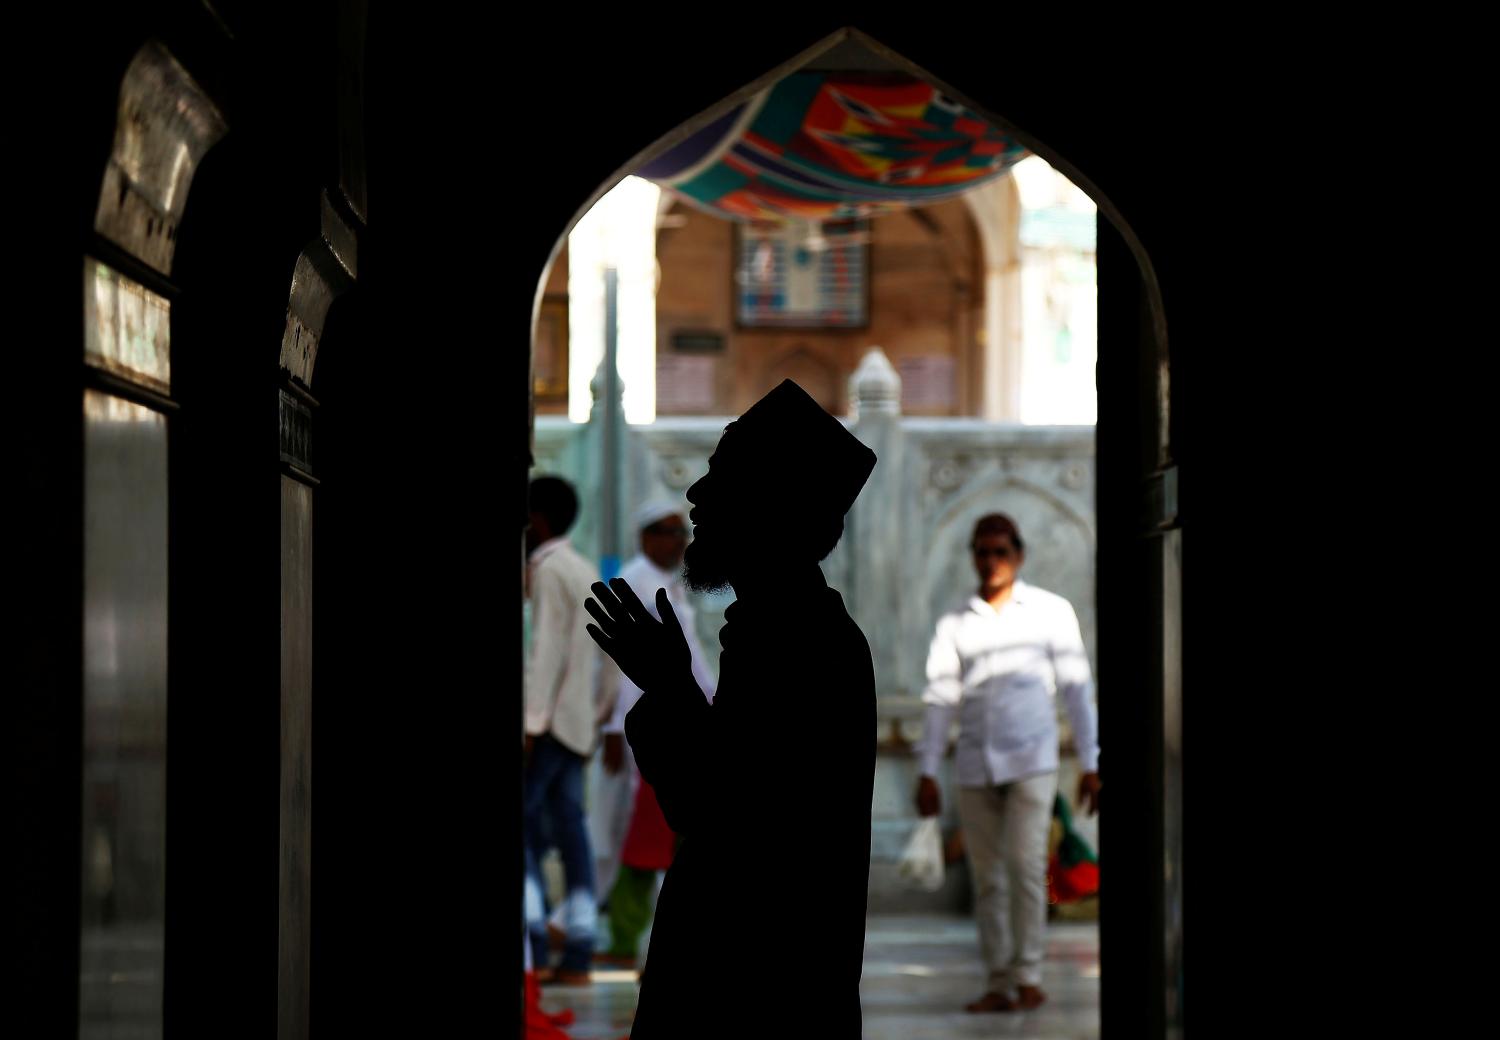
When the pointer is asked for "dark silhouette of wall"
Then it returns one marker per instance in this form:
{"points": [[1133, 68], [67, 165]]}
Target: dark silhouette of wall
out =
{"points": [[476, 166]]}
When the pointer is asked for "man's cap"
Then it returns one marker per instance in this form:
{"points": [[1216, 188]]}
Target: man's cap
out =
{"points": [[658, 509], [806, 448]]}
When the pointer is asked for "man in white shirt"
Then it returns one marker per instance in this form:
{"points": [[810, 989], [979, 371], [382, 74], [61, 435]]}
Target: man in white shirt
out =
{"points": [[560, 725], [996, 663], [644, 844]]}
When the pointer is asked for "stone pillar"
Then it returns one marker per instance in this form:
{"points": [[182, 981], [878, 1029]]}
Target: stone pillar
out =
{"points": [[594, 454], [883, 537], [874, 525], [996, 208]]}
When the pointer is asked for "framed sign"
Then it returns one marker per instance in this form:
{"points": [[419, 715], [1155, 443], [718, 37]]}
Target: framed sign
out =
{"points": [[802, 275], [685, 385], [549, 373], [694, 341], [927, 383]]}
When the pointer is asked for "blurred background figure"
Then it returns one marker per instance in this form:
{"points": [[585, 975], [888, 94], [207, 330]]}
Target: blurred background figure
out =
{"points": [[643, 844], [997, 660], [560, 729]]}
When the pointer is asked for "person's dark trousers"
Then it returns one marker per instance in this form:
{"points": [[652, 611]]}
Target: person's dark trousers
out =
{"points": [[553, 808]]}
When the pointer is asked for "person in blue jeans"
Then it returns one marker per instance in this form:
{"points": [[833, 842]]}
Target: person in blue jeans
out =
{"points": [[560, 730]]}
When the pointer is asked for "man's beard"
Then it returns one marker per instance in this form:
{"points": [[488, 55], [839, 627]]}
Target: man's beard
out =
{"points": [[703, 568]]}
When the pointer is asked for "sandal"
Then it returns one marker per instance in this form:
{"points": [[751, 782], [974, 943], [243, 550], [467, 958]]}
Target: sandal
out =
{"points": [[990, 1002]]}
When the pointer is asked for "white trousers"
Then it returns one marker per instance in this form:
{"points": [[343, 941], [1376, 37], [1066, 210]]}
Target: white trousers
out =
{"points": [[1005, 835], [611, 801]]}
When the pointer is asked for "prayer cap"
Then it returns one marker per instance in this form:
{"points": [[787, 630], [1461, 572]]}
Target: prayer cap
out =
{"points": [[657, 509], [804, 449]]}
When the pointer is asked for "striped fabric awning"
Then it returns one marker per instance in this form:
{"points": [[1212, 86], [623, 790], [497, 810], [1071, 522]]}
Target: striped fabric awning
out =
{"points": [[824, 146]]}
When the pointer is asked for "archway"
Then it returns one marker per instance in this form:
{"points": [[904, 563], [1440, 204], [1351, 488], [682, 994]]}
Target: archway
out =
{"points": [[417, 634], [1139, 363]]}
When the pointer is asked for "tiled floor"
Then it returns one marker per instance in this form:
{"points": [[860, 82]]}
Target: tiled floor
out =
{"points": [[919, 972]]}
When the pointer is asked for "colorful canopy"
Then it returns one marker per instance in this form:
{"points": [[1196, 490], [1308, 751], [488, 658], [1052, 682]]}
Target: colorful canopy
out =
{"points": [[826, 146]]}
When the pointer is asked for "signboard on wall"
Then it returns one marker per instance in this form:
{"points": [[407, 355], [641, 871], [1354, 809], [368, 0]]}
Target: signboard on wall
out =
{"points": [[694, 341], [685, 384], [927, 383]]}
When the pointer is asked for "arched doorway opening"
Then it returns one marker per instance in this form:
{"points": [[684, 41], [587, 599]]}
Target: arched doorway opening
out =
{"points": [[1137, 496]]}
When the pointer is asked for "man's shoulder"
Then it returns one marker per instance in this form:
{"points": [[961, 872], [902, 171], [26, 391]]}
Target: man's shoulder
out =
{"points": [[1046, 599], [836, 637], [1057, 609], [845, 624], [568, 563], [816, 617]]}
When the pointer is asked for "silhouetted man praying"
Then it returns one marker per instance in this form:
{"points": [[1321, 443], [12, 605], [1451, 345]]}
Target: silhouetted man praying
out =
{"points": [[769, 786]]}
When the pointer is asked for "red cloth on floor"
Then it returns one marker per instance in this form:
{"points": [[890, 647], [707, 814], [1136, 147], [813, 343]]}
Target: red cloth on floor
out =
{"points": [[539, 1024], [649, 843]]}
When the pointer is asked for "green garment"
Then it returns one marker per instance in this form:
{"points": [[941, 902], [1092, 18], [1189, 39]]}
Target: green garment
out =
{"points": [[1074, 848], [629, 909]]}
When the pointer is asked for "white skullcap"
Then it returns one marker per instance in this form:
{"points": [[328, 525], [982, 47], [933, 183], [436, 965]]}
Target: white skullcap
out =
{"points": [[657, 509]]}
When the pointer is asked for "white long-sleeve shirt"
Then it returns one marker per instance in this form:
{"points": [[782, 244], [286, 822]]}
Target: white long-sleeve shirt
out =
{"points": [[645, 577], [998, 672], [561, 663]]}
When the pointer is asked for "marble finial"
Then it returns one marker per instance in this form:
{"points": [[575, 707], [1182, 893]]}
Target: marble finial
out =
{"points": [[875, 386]]}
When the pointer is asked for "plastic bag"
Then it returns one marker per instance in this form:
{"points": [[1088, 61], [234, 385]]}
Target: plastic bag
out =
{"points": [[921, 863]]}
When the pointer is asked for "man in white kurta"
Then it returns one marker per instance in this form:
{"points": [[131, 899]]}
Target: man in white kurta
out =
{"points": [[560, 724], [996, 663]]}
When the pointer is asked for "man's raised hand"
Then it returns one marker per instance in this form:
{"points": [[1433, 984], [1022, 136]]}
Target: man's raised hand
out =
{"points": [[651, 653]]}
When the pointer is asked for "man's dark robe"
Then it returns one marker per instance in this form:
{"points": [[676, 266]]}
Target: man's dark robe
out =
{"points": [[760, 926]]}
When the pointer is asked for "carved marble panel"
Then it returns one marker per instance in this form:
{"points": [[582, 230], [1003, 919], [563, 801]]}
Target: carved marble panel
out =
{"points": [[909, 531]]}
